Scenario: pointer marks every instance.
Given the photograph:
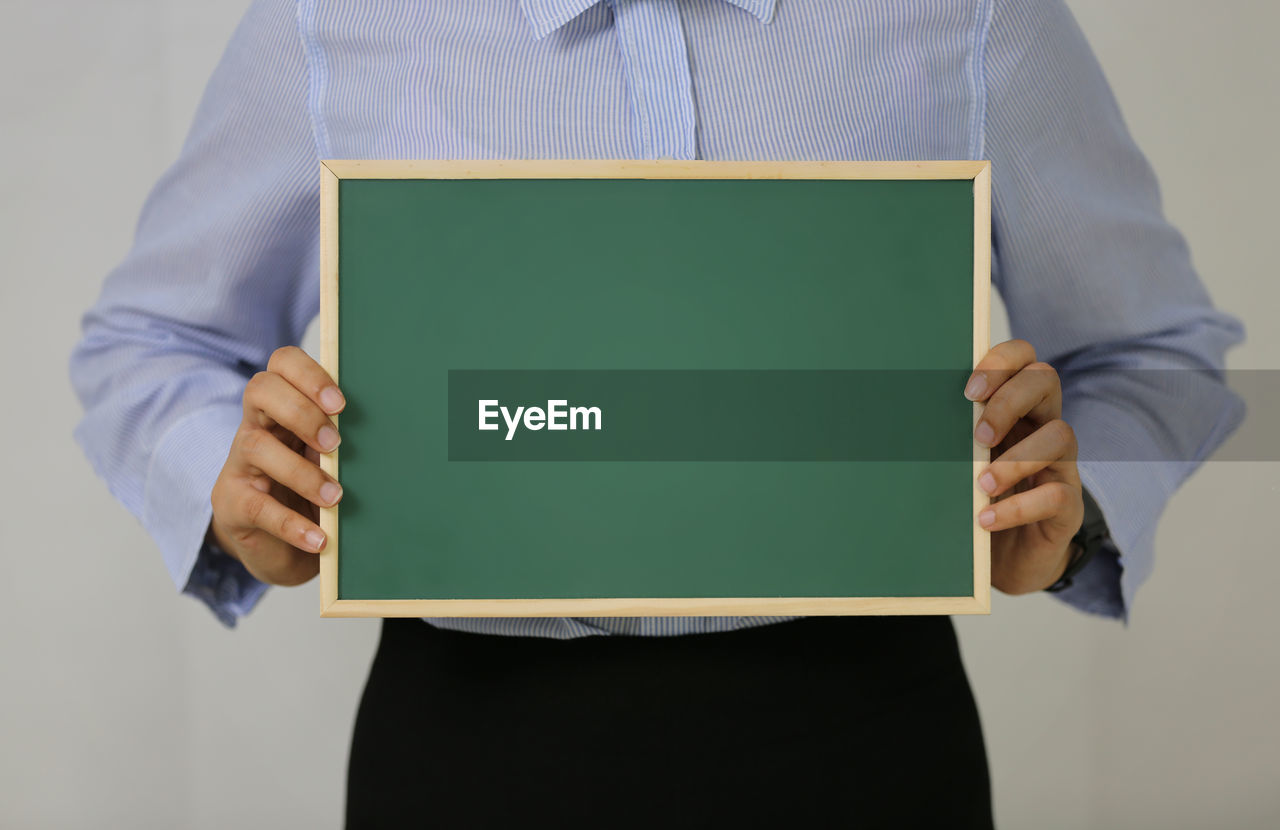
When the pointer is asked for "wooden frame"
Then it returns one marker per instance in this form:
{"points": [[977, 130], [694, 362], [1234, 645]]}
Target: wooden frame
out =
{"points": [[331, 171]]}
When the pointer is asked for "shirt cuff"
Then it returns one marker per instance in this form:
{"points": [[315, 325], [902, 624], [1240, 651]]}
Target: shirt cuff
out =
{"points": [[221, 582], [1131, 496], [1096, 588], [177, 510]]}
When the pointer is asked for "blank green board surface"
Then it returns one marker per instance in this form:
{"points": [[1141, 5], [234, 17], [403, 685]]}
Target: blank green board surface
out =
{"points": [[841, 305]]}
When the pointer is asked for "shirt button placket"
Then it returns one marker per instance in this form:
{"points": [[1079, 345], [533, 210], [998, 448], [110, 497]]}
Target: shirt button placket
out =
{"points": [[656, 57]]}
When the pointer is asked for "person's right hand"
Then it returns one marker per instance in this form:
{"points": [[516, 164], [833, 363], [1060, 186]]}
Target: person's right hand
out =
{"points": [[267, 497]]}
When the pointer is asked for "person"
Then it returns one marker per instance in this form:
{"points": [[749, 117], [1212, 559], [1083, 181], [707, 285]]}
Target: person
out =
{"points": [[206, 420]]}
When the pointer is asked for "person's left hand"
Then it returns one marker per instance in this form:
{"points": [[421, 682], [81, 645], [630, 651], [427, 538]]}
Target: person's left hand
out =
{"points": [[1037, 505]]}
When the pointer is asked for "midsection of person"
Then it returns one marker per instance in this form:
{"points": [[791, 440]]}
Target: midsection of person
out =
{"points": [[224, 268]]}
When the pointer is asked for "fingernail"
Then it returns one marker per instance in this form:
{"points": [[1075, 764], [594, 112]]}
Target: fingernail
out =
{"points": [[987, 482], [329, 492], [315, 539], [987, 518], [977, 386], [327, 438], [985, 434], [331, 399]]}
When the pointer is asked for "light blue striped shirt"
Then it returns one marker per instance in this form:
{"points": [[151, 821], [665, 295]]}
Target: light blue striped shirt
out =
{"points": [[224, 269]]}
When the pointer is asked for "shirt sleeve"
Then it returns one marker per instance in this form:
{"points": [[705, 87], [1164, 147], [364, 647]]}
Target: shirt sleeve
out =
{"points": [[1101, 284], [221, 272]]}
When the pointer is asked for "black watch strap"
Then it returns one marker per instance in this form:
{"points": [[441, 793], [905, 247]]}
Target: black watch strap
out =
{"points": [[1093, 534]]}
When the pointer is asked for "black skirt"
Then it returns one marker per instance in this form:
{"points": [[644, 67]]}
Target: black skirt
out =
{"points": [[865, 721]]}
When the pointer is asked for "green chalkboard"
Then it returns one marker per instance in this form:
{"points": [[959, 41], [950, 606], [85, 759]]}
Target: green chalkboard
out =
{"points": [[654, 387]]}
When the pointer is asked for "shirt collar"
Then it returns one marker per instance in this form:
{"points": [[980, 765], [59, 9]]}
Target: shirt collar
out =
{"points": [[545, 16]]}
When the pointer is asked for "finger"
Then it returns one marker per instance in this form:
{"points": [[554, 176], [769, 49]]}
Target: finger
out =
{"points": [[308, 377], [256, 509], [1052, 447], [270, 399], [266, 456], [295, 568], [999, 364], [281, 564], [1050, 502], [1034, 393]]}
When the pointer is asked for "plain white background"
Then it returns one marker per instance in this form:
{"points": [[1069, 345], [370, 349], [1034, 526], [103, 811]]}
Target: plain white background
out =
{"points": [[125, 705]]}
